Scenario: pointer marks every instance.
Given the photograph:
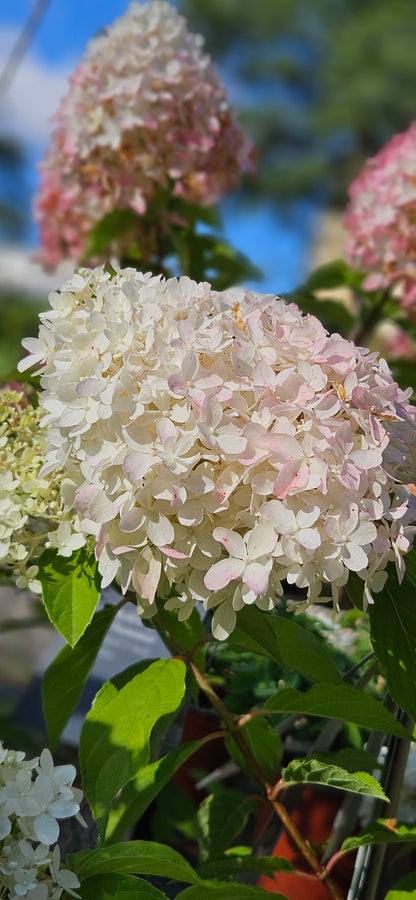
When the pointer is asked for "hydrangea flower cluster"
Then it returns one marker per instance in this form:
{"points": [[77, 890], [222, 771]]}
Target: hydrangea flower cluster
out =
{"points": [[31, 511], [380, 219], [145, 110], [222, 442], [34, 795]]}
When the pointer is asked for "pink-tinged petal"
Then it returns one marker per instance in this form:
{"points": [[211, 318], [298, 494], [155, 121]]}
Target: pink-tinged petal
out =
{"points": [[293, 476], [174, 554], [136, 465], [286, 446], [256, 577], [261, 541], [177, 385], [232, 542], [308, 538], [366, 459], [222, 572], [145, 583], [165, 430], [94, 505], [231, 443]]}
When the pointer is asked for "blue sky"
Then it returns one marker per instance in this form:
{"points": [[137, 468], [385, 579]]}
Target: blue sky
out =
{"points": [[277, 244]]}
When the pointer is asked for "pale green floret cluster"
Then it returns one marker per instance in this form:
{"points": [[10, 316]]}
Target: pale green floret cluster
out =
{"points": [[31, 513]]}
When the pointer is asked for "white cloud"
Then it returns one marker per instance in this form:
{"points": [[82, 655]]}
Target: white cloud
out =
{"points": [[33, 95], [19, 273]]}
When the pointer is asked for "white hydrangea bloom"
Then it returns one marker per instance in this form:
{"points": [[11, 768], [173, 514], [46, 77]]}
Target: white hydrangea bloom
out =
{"points": [[221, 442], [34, 795]]}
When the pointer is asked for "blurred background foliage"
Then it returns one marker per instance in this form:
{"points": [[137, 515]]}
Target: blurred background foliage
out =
{"points": [[321, 85]]}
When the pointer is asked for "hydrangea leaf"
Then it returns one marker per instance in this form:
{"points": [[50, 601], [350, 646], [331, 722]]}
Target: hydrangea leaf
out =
{"points": [[133, 857], [393, 635], [70, 591], [382, 831], [124, 887], [337, 701], [226, 891], [302, 771], [405, 889], [115, 739], [142, 789], [232, 864], [265, 745], [65, 677], [288, 642], [221, 817]]}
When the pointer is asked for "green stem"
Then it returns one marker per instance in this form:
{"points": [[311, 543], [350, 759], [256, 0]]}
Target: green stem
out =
{"points": [[372, 319]]}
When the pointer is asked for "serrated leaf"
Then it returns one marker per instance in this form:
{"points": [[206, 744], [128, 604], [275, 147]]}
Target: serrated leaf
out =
{"points": [[133, 857], [124, 887], [70, 591], [265, 745], [221, 817], [393, 635], [405, 889], [302, 771], [382, 831], [338, 701], [115, 739], [142, 789], [286, 641], [230, 865], [64, 679], [226, 891]]}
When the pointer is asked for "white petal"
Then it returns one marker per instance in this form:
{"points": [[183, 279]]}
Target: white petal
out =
{"points": [[232, 542]]}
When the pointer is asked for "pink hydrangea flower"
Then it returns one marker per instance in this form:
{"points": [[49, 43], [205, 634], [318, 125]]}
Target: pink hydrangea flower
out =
{"points": [[220, 443], [380, 219], [145, 110]]}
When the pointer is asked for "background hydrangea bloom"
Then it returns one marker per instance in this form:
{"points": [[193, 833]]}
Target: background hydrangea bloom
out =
{"points": [[381, 218], [222, 442], [145, 110]]}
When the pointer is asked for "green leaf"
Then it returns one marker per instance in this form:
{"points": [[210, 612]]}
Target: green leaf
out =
{"points": [[286, 641], [353, 759], [182, 636], [231, 865], [226, 891], [221, 817], [115, 739], [338, 701], [124, 887], [330, 275], [265, 745], [142, 789], [382, 831], [133, 857], [393, 635], [111, 226], [70, 591], [64, 679], [405, 889], [301, 771]]}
